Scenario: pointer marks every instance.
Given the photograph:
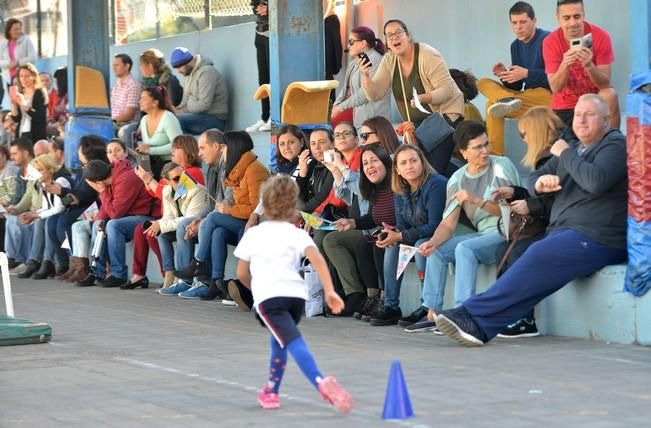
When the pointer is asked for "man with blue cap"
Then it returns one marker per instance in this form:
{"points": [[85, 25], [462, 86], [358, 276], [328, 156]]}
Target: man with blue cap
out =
{"points": [[205, 96]]}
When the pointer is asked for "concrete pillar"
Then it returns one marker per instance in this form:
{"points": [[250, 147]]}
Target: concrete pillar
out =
{"points": [[296, 46], [640, 35], [88, 40]]}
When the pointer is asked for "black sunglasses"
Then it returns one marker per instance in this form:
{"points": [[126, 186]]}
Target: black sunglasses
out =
{"points": [[365, 135], [175, 179]]}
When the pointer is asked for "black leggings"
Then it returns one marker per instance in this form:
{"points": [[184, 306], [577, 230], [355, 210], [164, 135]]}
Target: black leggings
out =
{"points": [[262, 56], [370, 264]]}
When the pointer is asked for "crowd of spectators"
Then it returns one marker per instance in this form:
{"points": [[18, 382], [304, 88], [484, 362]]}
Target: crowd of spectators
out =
{"points": [[380, 195]]}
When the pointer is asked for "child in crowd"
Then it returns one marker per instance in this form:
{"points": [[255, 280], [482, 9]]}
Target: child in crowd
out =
{"points": [[279, 292]]}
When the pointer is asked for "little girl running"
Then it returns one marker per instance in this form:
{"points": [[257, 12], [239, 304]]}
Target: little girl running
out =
{"points": [[270, 257]]}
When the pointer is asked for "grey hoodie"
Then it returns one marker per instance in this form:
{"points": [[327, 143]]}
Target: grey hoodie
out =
{"points": [[205, 90]]}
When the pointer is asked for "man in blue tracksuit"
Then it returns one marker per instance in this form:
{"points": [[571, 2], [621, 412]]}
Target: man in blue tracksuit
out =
{"points": [[587, 228]]}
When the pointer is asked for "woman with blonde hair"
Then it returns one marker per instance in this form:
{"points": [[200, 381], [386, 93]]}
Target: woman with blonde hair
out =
{"points": [[29, 104], [155, 72], [539, 127]]}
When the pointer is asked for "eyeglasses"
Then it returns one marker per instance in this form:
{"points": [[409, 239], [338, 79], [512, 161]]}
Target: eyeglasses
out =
{"points": [[365, 135], [175, 179], [398, 33], [522, 134], [344, 134], [353, 41], [480, 147]]}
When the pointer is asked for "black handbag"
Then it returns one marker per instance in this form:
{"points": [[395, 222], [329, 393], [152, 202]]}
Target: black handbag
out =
{"points": [[520, 226], [432, 131]]}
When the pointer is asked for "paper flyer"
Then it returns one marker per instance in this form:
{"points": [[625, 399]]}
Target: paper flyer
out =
{"points": [[90, 212], [417, 103], [505, 209], [406, 253], [316, 222]]}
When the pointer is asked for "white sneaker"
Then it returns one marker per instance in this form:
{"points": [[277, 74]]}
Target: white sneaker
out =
{"points": [[256, 126], [266, 127], [504, 106], [228, 302]]}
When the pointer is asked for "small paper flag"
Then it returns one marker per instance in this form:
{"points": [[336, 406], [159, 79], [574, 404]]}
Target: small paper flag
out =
{"points": [[406, 253], [316, 222], [186, 183]]}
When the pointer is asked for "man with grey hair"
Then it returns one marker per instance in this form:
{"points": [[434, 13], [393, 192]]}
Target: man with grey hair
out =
{"points": [[587, 228]]}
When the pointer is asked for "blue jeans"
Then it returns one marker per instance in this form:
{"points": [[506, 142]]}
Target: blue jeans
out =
{"points": [[81, 239], [544, 268], [466, 252], [38, 241], [391, 284], [18, 239], [215, 233], [196, 123], [184, 248], [119, 231]]}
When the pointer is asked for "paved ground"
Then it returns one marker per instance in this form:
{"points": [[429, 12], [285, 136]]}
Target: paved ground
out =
{"points": [[137, 359]]}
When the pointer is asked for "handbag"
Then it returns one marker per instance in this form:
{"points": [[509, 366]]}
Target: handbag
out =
{"points": [[520, 226], [314, 302], [432, 131]]}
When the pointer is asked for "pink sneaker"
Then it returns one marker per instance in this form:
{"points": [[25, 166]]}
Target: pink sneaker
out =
{"points": [[332, 392], [268, 399]]}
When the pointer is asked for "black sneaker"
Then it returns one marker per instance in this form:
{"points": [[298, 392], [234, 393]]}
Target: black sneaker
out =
{"points": [[521, 328], [421, 326], [458, 325], [113, 282], [414, 317], [354, 304], [31, 267], [216, 290], [376, 308], [87, 281], [368, 303], [388, 316], [240, 295]]}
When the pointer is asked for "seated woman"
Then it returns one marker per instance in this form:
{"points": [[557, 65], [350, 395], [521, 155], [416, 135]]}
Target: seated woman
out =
{"points": [[291, 143], [314, 180], [185, 153], [345, 159], [155, 72], [539, 128], [469, 189], [351, 105], [116, 150], [419, 201], [379, 129], [176, 208], [158, 128], [29, 104], [244, 175], [408, 66], [341, 247], [54, 258]]}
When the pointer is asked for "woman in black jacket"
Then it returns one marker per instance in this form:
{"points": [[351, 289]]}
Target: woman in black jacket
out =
{"points": [[29, 104], [314, 179]]}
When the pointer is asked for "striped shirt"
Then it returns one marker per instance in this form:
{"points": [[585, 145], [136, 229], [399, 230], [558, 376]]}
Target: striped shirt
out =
{"points": [[383, 209], [125, 94]]}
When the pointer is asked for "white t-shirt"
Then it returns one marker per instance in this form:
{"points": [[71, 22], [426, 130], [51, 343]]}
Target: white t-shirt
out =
{"points": [[274, 250]]}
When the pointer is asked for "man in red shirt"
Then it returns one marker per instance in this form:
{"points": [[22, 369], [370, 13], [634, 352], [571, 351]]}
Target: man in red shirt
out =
{"points": [[575, 68]]}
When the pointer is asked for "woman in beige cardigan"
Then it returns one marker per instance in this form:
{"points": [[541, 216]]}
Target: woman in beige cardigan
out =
{"points": [[408, 66]]}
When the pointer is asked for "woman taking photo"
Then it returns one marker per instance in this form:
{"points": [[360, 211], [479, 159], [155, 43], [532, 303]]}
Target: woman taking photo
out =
{"points": [[158, 128], [351, 105], [419, 202], [244, 175], [314, 180], [29, 104], [408, 66], [469, 189], [358, 267], [291, 143]]}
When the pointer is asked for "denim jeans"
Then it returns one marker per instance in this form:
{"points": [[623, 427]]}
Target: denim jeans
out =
{"points": [[215, 233], [54, 227], [196, 123], [119, 231], [391, 284], [184, 248], [467, 252], [81, 235], [18, 239], [59, 227], [38, 241]]}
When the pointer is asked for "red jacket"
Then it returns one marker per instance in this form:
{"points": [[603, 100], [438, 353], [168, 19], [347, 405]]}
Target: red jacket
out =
{"points": [[126, 196]]}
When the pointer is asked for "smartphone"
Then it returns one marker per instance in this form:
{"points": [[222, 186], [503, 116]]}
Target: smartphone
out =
{"points": [[576, 43], [329, 156], [143, 161], [364, 58], [146, 224]]}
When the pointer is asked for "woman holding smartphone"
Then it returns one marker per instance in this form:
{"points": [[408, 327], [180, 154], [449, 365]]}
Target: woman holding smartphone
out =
{"points": [[29, 104], [352, 105]]}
